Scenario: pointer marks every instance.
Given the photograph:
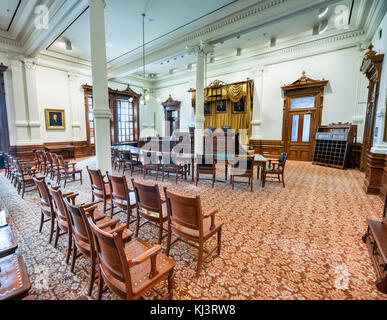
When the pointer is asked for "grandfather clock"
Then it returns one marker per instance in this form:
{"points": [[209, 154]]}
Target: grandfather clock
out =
{"points": [[171, 115], [372, 69]]}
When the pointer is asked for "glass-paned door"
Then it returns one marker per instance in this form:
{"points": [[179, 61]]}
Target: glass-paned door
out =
{"points": [[300, 126]]}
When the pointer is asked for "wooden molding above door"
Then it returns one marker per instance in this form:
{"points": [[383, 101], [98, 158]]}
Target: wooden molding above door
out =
{"points": [[302, 87]]}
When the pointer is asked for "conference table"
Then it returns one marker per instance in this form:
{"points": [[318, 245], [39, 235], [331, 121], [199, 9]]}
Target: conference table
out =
{"points": [[189, 158]]}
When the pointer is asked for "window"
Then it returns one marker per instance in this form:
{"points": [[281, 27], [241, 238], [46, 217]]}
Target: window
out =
{"points": [[126, 117], [306, 128], [90, 118], [295, 120], [302, 103]]}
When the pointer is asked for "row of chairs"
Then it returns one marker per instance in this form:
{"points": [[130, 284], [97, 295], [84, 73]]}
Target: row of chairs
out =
{"points": [[54, 165]]}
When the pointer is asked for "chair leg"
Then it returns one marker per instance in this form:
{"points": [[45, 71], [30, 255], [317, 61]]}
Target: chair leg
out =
{"points": [[111, 209], [263, 179], [137, 224], [200, 257], [213, 180], [169, 239], [219, 240], [74, 257], [80, 176], [52, 229], [160, 233], [69, 246], [170, 285], [92, 274], [232, 181], [251, 183], [56, 235], [283, 181], [100, 284], [41, 222], [23, 190], [104, 205]]}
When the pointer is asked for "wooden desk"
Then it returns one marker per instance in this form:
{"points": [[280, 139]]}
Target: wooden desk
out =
{"points": [[14, 280], [68, 152], [7, 242]]}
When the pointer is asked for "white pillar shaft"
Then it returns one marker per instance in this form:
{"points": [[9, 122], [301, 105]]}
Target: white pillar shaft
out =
{"points": [[199, 102], [33, 107], [21, 117], [102, 112], [74, 106], [256, 122]]}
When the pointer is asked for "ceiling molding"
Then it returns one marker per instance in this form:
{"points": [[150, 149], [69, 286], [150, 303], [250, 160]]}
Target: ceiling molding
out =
{"points": [[376, 14]]}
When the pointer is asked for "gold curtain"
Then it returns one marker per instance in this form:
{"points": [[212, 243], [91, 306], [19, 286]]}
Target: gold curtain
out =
{"points": [[231, 93]]}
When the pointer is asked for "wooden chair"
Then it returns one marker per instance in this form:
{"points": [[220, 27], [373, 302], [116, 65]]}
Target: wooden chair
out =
{"points": [[169, 164], [24, 178], [6, 164], [117, 159], [82, 235], [205, 165], [275, 168], [42, 162], [151, 162], [55, 166], [150, 207], [130, 162], [65, 170], [129, 269], [191, 225], [243, 166], [121, 197], [100, 188], [46, 206], [36, 159], [51, 166]]}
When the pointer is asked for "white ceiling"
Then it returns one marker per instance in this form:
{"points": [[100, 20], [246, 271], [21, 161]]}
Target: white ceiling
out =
{"points": [[123, 24], [7, 11]]}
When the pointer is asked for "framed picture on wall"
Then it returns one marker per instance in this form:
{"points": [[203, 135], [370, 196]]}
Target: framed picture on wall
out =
{"points": [[207, 108], [221, 106], [55, 119], [239, 107]]}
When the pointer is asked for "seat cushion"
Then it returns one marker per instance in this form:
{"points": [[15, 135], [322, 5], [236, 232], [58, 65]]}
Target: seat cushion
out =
{"points": [[195, 233], [156, 214]]}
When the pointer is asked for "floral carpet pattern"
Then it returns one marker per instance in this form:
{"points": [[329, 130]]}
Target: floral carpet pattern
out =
{"points": [[298, 242]]}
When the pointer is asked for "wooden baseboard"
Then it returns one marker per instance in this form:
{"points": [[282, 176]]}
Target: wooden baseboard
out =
{"points": [[82, 149]]}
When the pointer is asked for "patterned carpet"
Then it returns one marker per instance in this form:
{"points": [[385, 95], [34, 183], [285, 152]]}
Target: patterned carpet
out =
{"points": [[301, 242]]}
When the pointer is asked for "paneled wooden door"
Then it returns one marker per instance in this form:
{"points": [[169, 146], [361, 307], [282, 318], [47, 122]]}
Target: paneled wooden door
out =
{"points": [[300, 135]]}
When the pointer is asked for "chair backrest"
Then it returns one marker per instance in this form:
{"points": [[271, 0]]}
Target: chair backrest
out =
{"points": [[96, 181], [169, 158], [44, 194], [48, 157], [150, 157], [245, 162], [61, 162], [147, 197], [42, 156], [111, 255], [119, 189], [184, 211], [282, 160], [79, 224], [54, 159], [205, 161], [60, 207]]}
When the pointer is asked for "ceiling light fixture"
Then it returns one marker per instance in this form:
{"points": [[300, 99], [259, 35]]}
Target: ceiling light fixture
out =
{"points": [[322, 12]]}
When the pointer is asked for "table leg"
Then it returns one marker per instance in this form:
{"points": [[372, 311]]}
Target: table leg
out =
{"points": [[193, 169]]}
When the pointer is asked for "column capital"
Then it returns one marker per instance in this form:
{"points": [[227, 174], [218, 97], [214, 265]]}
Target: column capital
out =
{"points": [[257, 71], [102, 1], [200, 49], [30, 63], [72, 76]]}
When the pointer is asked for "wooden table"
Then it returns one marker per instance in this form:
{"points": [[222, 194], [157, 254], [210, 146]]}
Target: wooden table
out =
{"points": [[68, 152], [14, 280]]}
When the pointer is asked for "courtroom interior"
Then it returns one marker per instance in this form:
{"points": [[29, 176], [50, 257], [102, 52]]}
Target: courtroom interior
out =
{"points": [[193, 150]]}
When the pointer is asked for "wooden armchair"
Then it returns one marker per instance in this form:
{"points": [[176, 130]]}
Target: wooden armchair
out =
{"points": [[151, 162], [117, 159], [66, 169], [100, 188], [55, 166], [121, 197], [243, 166], [150, 207], [130, 162], [51, 166], [275, 168], [170, 164], [83, 237], [24, 178], [42, 162], [206, 165], [129, 269], [46, 206], [191, 225]]}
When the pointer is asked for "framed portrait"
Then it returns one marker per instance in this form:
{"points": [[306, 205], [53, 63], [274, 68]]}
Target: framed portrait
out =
{"points": [[55, 119], [207, 109], [239, 107], [221, 106]]}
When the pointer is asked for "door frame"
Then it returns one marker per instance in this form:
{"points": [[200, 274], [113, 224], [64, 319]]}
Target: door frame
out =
{"points": [[172, 105], [303, 87]]}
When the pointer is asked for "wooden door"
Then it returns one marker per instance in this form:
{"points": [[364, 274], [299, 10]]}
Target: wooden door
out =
{"points": [[301, 137]]}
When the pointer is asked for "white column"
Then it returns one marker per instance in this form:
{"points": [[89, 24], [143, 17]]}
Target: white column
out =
{"points": [[256, 122], [21, 117], [102, 112], [201, 51], [74, 105], [32, 99]]}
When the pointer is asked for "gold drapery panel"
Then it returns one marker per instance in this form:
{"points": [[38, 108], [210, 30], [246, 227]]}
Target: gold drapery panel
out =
{"points": [[232, 93]]}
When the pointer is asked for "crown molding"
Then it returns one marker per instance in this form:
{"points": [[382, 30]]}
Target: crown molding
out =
{"points": [[376, 14]]}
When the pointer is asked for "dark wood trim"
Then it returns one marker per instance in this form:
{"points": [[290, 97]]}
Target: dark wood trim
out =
{"points": [[4, 132], [172, 105]]}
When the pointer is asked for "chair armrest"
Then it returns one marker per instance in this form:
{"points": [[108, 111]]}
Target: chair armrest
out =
{"points": [[212, 215], [71, 196], [110, 223], [149, 254]]}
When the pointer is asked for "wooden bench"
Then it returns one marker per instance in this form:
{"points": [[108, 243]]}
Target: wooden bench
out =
{"points": [[14, 280], [7, 242], [376, 240]]}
